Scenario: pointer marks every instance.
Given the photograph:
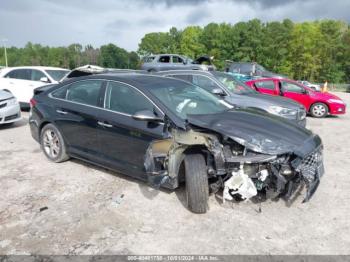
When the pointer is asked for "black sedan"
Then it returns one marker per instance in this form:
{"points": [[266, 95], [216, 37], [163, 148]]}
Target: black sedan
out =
{"points": [[167, 131]]}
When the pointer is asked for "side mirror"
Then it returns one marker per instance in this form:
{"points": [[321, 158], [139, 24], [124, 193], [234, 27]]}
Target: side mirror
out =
{"points": [[304, 91], [147, 115], [44, 79], [218, 92]]}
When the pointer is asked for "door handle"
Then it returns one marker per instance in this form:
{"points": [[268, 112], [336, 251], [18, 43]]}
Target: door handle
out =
{"points": [[104, 124], [61, 112]]}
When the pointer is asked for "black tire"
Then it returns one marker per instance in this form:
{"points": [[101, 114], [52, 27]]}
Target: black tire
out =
{"points": [[197, 189], [319, 110], [57, 142]]}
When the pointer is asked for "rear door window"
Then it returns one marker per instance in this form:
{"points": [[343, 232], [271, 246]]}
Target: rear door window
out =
{"points": [[177, 60], [23, 74], [164, 59], [84, 92], [187, 78], [291, 87]]}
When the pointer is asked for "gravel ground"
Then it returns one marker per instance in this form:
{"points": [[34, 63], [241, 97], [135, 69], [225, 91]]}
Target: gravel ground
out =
{"points": [[76, 208]]}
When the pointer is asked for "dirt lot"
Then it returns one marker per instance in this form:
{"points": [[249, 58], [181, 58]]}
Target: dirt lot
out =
{"points": [[94, 211]]}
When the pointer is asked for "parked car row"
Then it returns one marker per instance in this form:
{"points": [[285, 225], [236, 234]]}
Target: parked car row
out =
{"points": [[10, 110], [203, 128], [21, 81], [167, 131]]}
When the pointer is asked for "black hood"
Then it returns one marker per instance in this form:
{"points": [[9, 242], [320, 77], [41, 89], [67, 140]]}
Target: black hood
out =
{"points": [[260, 132]]}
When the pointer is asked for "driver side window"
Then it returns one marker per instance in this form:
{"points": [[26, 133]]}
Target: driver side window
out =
{"points": [[125, 99], [36, 75], [291, 87], [204, 82]]}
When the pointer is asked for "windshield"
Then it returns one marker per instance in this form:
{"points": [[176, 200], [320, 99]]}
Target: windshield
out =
{"points": [[260, 68], [185, 99], [57, 75], [233, 84]]}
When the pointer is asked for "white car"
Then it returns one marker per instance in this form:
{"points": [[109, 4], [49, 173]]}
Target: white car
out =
{"points": [[21, 81], [10, 110], [313, 86]]}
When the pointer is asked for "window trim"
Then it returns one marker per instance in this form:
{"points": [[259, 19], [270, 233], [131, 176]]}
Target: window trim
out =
{"points": [[281, 81], [104, 83], [264, 81], [17, 69], [137, 90]]}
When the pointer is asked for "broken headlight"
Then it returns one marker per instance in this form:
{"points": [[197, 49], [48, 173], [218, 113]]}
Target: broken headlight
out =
{"points": [[282, 111]]}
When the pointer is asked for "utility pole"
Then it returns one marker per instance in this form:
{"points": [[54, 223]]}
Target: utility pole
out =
{"points": [[4, 41]]}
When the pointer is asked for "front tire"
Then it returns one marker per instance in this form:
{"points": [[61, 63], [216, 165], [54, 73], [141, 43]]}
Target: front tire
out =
{"points": [[197, 189], [52, 144], [319, 110]]}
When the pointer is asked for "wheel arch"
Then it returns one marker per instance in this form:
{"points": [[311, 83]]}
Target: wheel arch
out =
{"points": [[193, 149]]}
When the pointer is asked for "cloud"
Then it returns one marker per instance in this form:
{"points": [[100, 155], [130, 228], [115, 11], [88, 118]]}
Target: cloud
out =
{"points": [[124, 22], [197, 16]]}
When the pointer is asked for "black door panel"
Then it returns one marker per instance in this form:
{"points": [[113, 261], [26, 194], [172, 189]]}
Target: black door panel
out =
{"points": [[124, 144], [78, 125], [124, 140], [76, 108]]}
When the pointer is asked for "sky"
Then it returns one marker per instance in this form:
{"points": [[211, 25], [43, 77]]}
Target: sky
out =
{"points": [[125, 22]]}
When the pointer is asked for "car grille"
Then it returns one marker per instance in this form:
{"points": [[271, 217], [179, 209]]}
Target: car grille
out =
{"points": [[8, 118], [3, 105], [312, 165]]}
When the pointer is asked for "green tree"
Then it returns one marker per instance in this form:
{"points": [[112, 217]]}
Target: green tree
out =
{"points": [[190, 44]]}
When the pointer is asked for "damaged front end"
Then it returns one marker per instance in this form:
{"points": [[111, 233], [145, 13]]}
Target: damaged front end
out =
{"points": [[234, 166]]}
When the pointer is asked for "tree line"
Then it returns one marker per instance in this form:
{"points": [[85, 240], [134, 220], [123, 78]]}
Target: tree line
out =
{"points": [[315, 51], [73, 56]]}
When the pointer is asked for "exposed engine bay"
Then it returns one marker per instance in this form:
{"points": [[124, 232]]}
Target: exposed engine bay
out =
{"points": [[233, 166]]}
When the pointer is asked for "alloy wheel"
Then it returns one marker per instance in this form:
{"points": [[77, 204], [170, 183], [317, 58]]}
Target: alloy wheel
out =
{"points": [[51, 143]]}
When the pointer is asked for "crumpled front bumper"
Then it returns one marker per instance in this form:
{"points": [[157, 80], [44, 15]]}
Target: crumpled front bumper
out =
{"points": [[311, 169]]}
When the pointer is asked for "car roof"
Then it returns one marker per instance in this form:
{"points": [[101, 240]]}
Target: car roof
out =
{"points": [[268, 78], [36, 67], [166, 54], [188, 71], [141, 81]]}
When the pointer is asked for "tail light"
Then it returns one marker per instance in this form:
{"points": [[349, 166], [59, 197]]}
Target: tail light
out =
{"points": [[32, 102]]}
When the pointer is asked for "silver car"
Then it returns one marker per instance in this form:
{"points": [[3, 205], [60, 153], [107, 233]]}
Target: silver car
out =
{"points": [[10, 111], [163, 62], [239, 94]]}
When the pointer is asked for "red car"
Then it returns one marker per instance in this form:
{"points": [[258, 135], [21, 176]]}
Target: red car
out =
{"points": [[316, 103]]}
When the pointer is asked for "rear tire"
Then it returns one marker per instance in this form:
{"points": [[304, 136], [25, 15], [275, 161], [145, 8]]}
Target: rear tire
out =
{"points": [[319, 110], [52, 144], [197, 189]]}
